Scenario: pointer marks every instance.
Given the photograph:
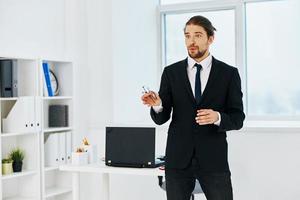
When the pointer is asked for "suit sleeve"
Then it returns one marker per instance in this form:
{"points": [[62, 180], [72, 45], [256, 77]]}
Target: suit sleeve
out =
{"points": [[233, 116], [166, 98]]}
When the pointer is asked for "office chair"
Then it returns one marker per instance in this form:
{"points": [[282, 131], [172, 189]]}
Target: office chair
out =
{"points": [[197, 189]]}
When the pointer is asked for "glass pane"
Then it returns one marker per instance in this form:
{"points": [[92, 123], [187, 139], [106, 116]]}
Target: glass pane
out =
{"points": [[223, 47], [273, 63], [179, 1]]}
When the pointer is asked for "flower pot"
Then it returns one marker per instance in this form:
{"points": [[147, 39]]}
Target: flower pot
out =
{"points": [[17, 166], [80, 158], [92, 151], [7, 168]]}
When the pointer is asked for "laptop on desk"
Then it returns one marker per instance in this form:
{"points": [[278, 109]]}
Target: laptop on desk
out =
{"points": [[131, 147]]}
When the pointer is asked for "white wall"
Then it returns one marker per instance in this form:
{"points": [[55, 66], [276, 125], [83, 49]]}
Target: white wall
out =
{"points": [[122, 57], [77, 50], [52, 29], [99, 30], [32, 28], [135, 58], [265, 165], [100, 61]]}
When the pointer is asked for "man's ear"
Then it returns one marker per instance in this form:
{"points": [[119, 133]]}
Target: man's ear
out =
{"points": [[211, 39]]}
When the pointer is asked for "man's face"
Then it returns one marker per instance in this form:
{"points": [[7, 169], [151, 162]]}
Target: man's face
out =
{"points": [[197, 41]]}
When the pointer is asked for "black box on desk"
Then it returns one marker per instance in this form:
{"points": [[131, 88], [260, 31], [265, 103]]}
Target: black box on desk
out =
{"points": [[58, 115]]}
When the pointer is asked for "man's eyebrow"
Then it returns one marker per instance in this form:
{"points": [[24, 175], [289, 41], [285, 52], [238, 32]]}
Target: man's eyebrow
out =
{"points": [[198, 32]]}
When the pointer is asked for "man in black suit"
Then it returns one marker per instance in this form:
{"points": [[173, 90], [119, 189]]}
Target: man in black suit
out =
{"points": [[205, 98]]}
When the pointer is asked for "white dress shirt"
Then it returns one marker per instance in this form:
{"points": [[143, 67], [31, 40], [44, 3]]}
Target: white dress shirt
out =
{"points": [[204, 74]]}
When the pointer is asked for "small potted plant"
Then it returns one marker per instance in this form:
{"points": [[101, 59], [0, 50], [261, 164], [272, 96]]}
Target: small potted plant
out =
{"points": [[7, 166], [17, 155]]}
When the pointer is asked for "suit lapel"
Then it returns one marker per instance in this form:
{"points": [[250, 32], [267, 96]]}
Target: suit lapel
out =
{"points": [[211, 79], [187, 81]]}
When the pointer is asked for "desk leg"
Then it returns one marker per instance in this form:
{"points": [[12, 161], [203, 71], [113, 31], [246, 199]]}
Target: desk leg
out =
{"points": [[75, 185], [105, 186]]}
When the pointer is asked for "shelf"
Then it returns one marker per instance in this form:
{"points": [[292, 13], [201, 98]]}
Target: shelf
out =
{"points": [[57, 61], [50, 130], [19, 174], [9, 98], [55, 191], [51, 168], [5, 57], [17, 134], [19, 198], [58, 98]]}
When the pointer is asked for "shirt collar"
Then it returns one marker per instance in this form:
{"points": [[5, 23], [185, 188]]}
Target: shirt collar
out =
{"points": [[204, 63]]}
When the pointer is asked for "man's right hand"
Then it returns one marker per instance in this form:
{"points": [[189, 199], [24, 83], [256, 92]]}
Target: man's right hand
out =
{"points": [[151, 99]]}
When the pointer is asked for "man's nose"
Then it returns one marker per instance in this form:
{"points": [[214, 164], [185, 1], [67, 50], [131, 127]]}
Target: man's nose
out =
{"points": [[192, 39]]}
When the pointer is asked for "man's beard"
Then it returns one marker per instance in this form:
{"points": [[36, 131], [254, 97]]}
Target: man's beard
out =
{"points": [[199, 54]]}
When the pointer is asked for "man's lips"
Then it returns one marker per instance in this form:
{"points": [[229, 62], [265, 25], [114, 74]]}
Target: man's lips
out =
{"points": [[193, 48]]}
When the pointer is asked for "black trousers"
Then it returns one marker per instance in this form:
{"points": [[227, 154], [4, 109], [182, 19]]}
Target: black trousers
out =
{"points": [[180, 183]]}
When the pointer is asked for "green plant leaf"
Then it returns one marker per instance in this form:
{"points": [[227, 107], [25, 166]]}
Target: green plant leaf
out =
{"points": [[17, 155]]}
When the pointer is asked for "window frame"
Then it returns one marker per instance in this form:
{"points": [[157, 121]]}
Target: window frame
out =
{"points": [[239, 8]]}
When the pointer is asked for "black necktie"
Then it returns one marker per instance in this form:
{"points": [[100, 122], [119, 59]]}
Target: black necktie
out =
{"points": [[198, 84]]}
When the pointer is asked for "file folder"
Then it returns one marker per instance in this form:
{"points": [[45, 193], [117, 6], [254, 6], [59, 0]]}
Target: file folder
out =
{"points": [[47, 79], [6, 78], [21, 118], [51, 149], [69, 146], [62, 148], [9, 78]]}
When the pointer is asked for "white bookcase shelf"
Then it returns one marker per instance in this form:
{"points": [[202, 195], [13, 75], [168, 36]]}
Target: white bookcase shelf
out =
{"points": [[19, 198], [58, 97], [55, 191], [8, 98], [64, 73], [19, 174], [63, 129], [51, 168], [17, 134], [36, 181]]}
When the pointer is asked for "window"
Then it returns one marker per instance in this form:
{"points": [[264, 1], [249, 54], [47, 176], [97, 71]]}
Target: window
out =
{"points": [[178, 1], [223, 47], [261, 38], [273, 64]]}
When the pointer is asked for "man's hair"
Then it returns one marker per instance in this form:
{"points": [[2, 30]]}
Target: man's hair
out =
{"points": [[203, 22]]}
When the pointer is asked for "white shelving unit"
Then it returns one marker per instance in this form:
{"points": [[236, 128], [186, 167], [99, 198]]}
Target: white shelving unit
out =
{"points": [[37, 181], [25, 184], [56, 185]]}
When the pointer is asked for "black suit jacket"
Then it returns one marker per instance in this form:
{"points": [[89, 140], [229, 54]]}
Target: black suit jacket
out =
{"points": [[185, 137]]}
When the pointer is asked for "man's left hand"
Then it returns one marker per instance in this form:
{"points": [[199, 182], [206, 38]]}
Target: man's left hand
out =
{"points": [[206, 116]]}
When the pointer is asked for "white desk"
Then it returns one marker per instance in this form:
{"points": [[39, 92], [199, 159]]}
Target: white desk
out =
{"points": [[105, 171]]}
